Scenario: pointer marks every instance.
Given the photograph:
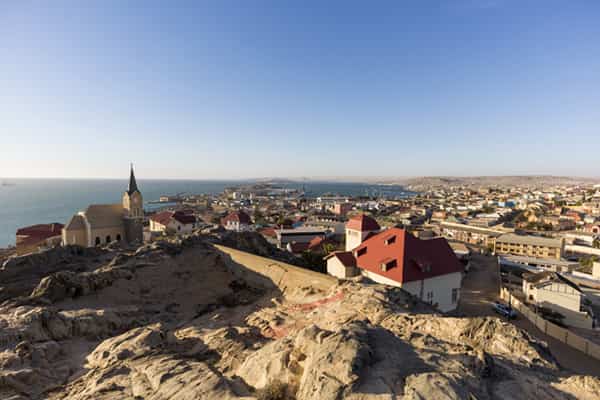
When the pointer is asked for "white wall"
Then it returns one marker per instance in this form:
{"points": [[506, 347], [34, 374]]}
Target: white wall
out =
{"points": [[354, 238], [339, 270], [440, 287]]}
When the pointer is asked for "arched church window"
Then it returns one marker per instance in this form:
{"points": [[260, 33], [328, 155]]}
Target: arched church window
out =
{"points": [[97, 241], [108, 239], [118, 238]]}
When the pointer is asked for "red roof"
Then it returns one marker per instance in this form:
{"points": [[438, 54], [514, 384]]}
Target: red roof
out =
{"points": [[362, 223], [184, 218], [407, 257], [318, 242], [165, 217], [162, 218], [41, 231], [345, 257], [298, 247], [268, 231], [237, 216]]}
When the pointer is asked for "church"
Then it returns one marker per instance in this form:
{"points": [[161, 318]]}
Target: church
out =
{"points": [[101, 224]]}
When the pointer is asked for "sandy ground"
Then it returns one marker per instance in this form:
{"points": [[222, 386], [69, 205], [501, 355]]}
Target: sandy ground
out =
{"points": [[481, 287]]}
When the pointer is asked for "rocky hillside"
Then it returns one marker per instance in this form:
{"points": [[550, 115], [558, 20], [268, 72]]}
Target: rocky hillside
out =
{"points": [[171, 321]]}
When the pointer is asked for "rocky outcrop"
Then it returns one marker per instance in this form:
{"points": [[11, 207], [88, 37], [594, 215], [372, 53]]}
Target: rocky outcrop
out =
{"points": [[170, 321]]}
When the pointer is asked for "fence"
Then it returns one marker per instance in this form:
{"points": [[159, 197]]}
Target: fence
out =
{"points": [[557, 332]]}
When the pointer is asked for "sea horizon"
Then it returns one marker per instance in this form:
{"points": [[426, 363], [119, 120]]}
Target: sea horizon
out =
{"points": [[29, 201]]}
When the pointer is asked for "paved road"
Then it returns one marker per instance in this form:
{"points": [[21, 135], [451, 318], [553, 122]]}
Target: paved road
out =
{"points": [[481, 287]]}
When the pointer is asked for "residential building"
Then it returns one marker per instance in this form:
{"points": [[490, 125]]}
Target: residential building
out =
{"points": [[428, 269], [357, 230], [553, 291], [101, 224], [341, 264], [536, 263], [526, 245], [342, 208], [172, 222], [237, 221], [484, 237], [303, 234], [34, 237]]}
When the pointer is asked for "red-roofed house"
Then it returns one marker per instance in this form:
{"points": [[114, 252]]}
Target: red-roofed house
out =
{"points": [[341, 264], [31, 238], [236, 221], [428, 269], [173, 222], [357, 229]]}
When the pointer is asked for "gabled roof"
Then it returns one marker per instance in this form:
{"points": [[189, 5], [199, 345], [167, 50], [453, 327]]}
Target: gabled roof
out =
{"points": [[237, 216], [184, 218], [77, 223], [105, 215], [346, 258], [362, 223], [416, 259], [165, 217], [162, 218], [41, 230]]}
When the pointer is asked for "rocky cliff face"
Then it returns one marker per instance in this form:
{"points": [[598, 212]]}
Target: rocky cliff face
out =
{"points": [[170, 321]]}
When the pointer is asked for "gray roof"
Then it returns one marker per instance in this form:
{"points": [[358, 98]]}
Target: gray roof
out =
{"points": [[105, 215], [529, 240], [76, 223]]}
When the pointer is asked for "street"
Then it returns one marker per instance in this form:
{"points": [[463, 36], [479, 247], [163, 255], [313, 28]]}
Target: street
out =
{"points": [[480, 288]]}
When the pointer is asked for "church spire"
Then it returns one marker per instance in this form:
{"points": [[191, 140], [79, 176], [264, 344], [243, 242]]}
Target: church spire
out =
{"points": [[132, 183]]}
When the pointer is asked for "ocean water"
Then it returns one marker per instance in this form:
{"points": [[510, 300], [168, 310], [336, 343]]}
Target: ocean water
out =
{"points": [[26, 202]]}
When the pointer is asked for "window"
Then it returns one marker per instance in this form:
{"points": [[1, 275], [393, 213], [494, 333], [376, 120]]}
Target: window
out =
{"points": [[108, 239], [361, 252], [430, 297], [97, 241], [390, 240], [119, 238], [454, 296], [387, 265]]}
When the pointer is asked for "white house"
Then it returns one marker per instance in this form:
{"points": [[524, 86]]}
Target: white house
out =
{"points": [[237, 221], [553, 291], [428, 269], [173, 222]]}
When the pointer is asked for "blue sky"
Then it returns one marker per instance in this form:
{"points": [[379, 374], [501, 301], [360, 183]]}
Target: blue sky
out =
{"points": [[279, 88]]}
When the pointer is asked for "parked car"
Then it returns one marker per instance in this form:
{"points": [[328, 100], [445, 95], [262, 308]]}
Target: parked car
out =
{"points": [[504, 310]]}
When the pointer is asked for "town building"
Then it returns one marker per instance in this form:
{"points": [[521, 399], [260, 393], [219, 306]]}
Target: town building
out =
{"points": [[537, 264], [34, 237], [484, 237], [303, 234], [357, 230], [342, 264], [553, 291], [532, 246], [101, 224], [428, 269], [172, 222], [237, 221], [342, 208]]}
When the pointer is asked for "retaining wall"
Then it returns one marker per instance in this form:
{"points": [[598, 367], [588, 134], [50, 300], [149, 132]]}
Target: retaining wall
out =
{"points": [[282, 275]]}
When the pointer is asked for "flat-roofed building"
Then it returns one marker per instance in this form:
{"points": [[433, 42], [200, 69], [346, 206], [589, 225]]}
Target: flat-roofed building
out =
{"points": [[532, 246], [297, 235], [469, 234]]}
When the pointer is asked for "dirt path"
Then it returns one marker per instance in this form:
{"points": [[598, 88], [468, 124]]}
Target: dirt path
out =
{"points": [[481, 287]]}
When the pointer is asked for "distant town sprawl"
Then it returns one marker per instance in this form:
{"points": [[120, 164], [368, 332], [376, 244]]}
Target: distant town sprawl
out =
{"points": [[543, 239]]}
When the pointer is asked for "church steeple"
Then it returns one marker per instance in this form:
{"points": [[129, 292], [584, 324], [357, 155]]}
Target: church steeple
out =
{"points": [[132, 183]]}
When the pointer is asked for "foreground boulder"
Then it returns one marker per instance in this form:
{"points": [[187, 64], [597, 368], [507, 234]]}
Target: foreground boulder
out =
{"points": [[171, 320]]}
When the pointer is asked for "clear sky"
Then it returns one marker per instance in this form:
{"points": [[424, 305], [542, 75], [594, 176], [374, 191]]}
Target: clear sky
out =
{"points": [[227, 89]]}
